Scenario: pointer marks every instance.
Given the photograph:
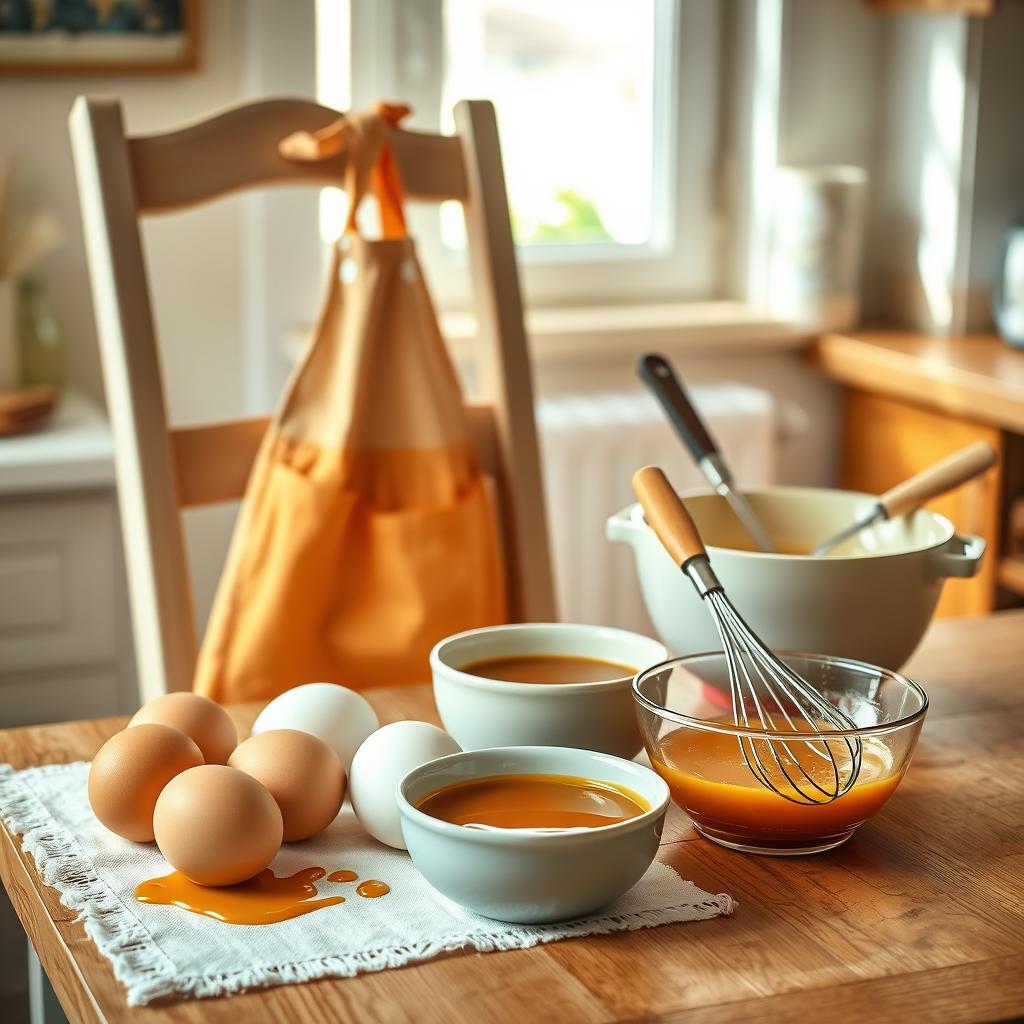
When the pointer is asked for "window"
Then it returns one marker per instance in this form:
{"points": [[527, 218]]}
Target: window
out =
{"points": [[608, 112], [580, 91]]}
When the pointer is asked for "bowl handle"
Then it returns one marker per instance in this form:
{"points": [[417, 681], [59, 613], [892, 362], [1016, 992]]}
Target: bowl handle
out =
{"points": [[620, 527], [959, 556]]}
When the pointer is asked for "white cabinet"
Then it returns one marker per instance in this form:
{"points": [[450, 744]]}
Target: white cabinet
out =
{"points": [[65, 648], [65, 638]]}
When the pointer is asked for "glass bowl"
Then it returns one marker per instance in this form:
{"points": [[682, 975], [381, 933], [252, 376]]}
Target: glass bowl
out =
{"points": [[684, 708]]}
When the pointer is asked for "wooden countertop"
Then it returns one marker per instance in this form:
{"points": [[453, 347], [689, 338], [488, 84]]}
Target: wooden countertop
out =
{"points": [[919, 917], [977, 376]]}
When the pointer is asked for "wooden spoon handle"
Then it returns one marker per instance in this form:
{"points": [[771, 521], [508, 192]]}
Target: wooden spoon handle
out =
{"points": [[667, 515], [951, 472]]}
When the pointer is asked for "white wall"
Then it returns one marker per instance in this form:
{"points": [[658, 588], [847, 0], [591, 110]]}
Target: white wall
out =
{"points": [[220, 291], [925, 120], [196, 274], [999, 161], [830, 82]]}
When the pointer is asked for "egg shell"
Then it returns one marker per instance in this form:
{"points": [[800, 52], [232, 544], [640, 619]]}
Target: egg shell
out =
{"points": [[381, 763], [335, 714], [301, 773], [130, 770], [217, 825], [199, 717]]}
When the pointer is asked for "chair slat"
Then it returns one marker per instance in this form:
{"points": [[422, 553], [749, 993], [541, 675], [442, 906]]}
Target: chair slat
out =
{"points": [[212, 461], [238, 150]]}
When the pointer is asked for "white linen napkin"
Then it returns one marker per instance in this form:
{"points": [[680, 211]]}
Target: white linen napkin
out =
{"points": [[160, 950]]}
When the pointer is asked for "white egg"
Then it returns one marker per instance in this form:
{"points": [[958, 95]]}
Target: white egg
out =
{"points": [[335, 714], [381, 763]]}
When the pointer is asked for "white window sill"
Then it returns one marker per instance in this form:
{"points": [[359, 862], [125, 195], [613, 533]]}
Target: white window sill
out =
{"points": [[557, 335], [564, 335]]}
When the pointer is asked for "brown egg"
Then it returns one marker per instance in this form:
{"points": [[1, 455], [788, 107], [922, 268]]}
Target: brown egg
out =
{"points": [[130, 770], [217, 825], [207, 723], [301, 772]]}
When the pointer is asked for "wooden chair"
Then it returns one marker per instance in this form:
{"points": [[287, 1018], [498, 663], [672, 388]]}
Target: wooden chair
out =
{"points": [[161, 470]]}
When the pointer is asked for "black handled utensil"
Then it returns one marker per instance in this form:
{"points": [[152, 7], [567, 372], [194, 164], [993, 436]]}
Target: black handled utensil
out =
{"points": [[657, 373]]}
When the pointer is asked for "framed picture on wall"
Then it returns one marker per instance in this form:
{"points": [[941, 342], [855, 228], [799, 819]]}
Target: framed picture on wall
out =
{"points": [[98, 36], [982, 7]]}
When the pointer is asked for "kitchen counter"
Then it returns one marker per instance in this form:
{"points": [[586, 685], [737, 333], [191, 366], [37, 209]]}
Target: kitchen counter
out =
{"points": [[73, 450], [910, 399], [920, 916], [976, 376]]}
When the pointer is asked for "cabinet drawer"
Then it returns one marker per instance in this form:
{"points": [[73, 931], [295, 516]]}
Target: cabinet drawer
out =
{"points": [[64, 696], [57, 582]]}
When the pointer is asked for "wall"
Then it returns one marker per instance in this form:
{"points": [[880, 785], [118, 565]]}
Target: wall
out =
{"points": [[999, 157], [210, 269], [197, 273], [918, 212]]}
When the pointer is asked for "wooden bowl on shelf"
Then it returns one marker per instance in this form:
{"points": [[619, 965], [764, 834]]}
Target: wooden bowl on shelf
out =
{"points": [[25, 409]]}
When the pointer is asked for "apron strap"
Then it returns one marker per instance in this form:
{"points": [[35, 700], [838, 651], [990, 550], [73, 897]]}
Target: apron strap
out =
{"points": [[371, 164]]}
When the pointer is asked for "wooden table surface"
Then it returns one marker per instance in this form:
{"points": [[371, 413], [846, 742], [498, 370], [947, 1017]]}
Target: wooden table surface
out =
{"points": [[919, 917]]}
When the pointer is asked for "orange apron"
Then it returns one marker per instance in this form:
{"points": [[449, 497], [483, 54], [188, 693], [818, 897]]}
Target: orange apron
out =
{"points": [[367, 532]]}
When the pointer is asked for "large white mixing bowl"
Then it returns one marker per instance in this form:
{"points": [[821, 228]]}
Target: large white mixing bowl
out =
{"points": [[871, 601]]}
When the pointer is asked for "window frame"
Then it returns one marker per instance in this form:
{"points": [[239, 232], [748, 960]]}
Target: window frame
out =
{"points": [[683, 265]]}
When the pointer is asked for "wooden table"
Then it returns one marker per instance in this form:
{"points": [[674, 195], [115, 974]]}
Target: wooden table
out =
{"points": [[919, 917]]}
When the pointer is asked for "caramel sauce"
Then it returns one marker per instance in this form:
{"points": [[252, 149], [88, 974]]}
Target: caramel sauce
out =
{"points": [[262, 900], [709, 780], [548, 668], [550, 802]]}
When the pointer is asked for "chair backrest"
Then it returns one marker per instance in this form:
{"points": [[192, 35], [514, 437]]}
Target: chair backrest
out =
{"points": [[161, 470]]}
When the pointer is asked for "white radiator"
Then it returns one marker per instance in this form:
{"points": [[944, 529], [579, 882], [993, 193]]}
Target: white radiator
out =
{"points": [[591, 444]]}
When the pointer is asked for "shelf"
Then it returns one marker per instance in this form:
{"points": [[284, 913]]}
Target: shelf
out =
{"points": [[73, 450]]}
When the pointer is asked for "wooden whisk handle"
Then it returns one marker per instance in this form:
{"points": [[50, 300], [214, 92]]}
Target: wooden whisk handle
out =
{"points": [[667, 515]]}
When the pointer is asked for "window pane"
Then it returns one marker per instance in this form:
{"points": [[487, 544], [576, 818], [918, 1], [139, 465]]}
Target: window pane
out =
{"points": [[573, 85]]}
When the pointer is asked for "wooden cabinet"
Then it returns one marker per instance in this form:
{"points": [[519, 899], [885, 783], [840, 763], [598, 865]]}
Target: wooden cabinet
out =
{"points": [[910, 399], [886, 440]]}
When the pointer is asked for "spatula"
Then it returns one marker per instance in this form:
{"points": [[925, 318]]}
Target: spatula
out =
{"points": [[944, 476], [657, 373]]}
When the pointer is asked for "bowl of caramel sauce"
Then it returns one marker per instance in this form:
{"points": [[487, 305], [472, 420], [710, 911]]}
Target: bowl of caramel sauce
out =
{"points": [[696, 743], [532, 835], [542, 684]]}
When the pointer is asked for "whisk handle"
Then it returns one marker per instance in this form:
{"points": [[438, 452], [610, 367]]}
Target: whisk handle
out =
{"points": [[667, 515]]}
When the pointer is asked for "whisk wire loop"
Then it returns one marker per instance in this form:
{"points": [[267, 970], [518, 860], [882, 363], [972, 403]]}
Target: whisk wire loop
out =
{"points": [[748, 748], [765, 690], [765, 693]]}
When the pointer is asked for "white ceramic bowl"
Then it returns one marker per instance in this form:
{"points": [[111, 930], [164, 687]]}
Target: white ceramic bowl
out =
{"points": [[525, 876], [493, 713], [872, 602]]}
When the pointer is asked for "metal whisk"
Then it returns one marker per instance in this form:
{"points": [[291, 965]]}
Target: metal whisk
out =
{"points": [[767, 695]]}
